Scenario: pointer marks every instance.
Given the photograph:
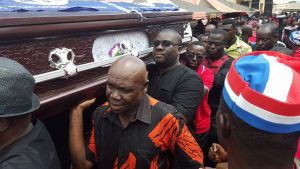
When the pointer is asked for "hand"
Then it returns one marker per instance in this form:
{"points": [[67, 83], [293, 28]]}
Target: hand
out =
{"points": [[217, 153], [84, 105]]}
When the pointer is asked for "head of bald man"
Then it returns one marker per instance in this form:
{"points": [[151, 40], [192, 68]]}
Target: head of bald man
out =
{"points": [[166, 51], [126, 84], [209, 28], [266, 37]]}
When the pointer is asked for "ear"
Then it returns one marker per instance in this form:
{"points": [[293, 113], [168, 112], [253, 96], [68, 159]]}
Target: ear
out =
{"points": [[179, 49], [223, 124], [4, 124]]}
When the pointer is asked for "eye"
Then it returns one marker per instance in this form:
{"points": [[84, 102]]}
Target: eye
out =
{"points": [[156, 43], [166, 43]]}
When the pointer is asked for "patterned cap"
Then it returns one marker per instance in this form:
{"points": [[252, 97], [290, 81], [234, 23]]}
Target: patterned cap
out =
{"points": [[16, 89], [262, 89], [295, 38]]}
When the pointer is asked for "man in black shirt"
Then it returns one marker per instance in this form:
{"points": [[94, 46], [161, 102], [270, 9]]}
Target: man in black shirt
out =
{"points": [[24, 144], [171, 82]]}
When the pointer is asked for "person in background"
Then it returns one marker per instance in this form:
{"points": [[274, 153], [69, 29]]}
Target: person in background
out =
{"points": [[266, 37], [203, 38], [256, 131], [172, 82], [195, 54], [24, 143], [219, 63], [283, 50], [235, 47], [294, 39], [292, 26], [246, 34], [199, 28], [209, 28]]}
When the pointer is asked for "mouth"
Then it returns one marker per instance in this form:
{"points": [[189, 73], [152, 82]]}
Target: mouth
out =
{"points": [[158, 55]]}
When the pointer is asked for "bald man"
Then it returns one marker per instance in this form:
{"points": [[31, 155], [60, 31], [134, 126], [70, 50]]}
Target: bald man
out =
{"points": [[132, 130], [209, 28], [266, 37]]}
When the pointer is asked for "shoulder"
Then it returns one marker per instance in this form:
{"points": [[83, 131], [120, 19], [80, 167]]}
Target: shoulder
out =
{"points": [[187, 72], [102, 111], [161, 110]]}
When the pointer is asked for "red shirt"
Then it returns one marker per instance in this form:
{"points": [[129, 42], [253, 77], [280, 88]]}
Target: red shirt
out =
{"points": [[297, 53], [298, 151], [202, 117]]}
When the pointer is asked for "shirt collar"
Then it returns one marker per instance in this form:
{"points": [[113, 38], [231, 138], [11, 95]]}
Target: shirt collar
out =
{"points": [[143, 113], [237, 44]]}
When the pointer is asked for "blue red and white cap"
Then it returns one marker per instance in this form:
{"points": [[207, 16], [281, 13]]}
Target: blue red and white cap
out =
{"points": [[295, 38], [263, 90]]}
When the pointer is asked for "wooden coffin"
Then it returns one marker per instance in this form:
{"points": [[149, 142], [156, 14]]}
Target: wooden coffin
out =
{"points": [[30, 38]]}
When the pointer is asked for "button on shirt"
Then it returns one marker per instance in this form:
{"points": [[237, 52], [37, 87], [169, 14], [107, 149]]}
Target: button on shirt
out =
{"points": [[238, 49], [148, 142]]}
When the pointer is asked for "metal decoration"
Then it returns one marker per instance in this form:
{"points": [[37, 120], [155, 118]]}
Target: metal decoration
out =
{"points": [[58, 59]]}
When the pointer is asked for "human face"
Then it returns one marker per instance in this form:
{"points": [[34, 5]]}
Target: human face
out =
{"points": [[204, 40], [195, 54], [125, 90], [230, 30], [215, 46], [264, 40], [209, 28], [166, 49]]}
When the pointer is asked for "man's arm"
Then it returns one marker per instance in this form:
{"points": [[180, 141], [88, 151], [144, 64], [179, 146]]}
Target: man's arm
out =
{"points": [[188, 95], [186, 150], [76, 138]]}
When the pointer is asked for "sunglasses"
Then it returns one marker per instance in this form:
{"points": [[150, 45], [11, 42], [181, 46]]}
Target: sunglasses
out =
{"points": [[164, 43]]}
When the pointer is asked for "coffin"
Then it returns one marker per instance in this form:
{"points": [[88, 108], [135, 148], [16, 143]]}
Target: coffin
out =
{"points": [[69, 52], [86, 42]]}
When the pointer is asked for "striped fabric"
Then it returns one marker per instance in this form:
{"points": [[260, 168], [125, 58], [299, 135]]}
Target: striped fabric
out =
{"points": [[262, 89], [295, 38]]}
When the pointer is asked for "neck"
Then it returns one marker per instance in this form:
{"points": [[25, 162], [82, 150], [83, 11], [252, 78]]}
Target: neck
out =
{"points": [[13, 135], [165, 69], [211, 59], [232, 41], [128, 117], [247, 159]]}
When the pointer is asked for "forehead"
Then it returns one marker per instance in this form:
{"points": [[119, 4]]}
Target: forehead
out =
{"points": [[216, 37], [263, 33], [227, 26], [195, 48], [204, 37], [170, 36], [123, 76]]}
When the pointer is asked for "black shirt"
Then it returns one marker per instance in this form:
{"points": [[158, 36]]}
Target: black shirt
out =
{"points": [[216, 90], [145, 143], [179, 86], [35, 150]]}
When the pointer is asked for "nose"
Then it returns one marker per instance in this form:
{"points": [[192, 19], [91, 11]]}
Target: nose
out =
{"points": [[159, 47], [195, 57], [115, 94], [259, 42]]}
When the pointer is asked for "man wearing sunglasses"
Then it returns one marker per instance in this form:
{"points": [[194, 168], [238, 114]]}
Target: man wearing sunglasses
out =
{"points": [[195, 54], [171, 82]]}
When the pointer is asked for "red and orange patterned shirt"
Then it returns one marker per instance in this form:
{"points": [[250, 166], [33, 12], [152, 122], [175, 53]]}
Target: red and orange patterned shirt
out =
{"points": [[154, 140]]}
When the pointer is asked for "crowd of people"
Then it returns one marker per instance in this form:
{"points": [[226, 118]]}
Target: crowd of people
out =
{"points": [[231, 97]]}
